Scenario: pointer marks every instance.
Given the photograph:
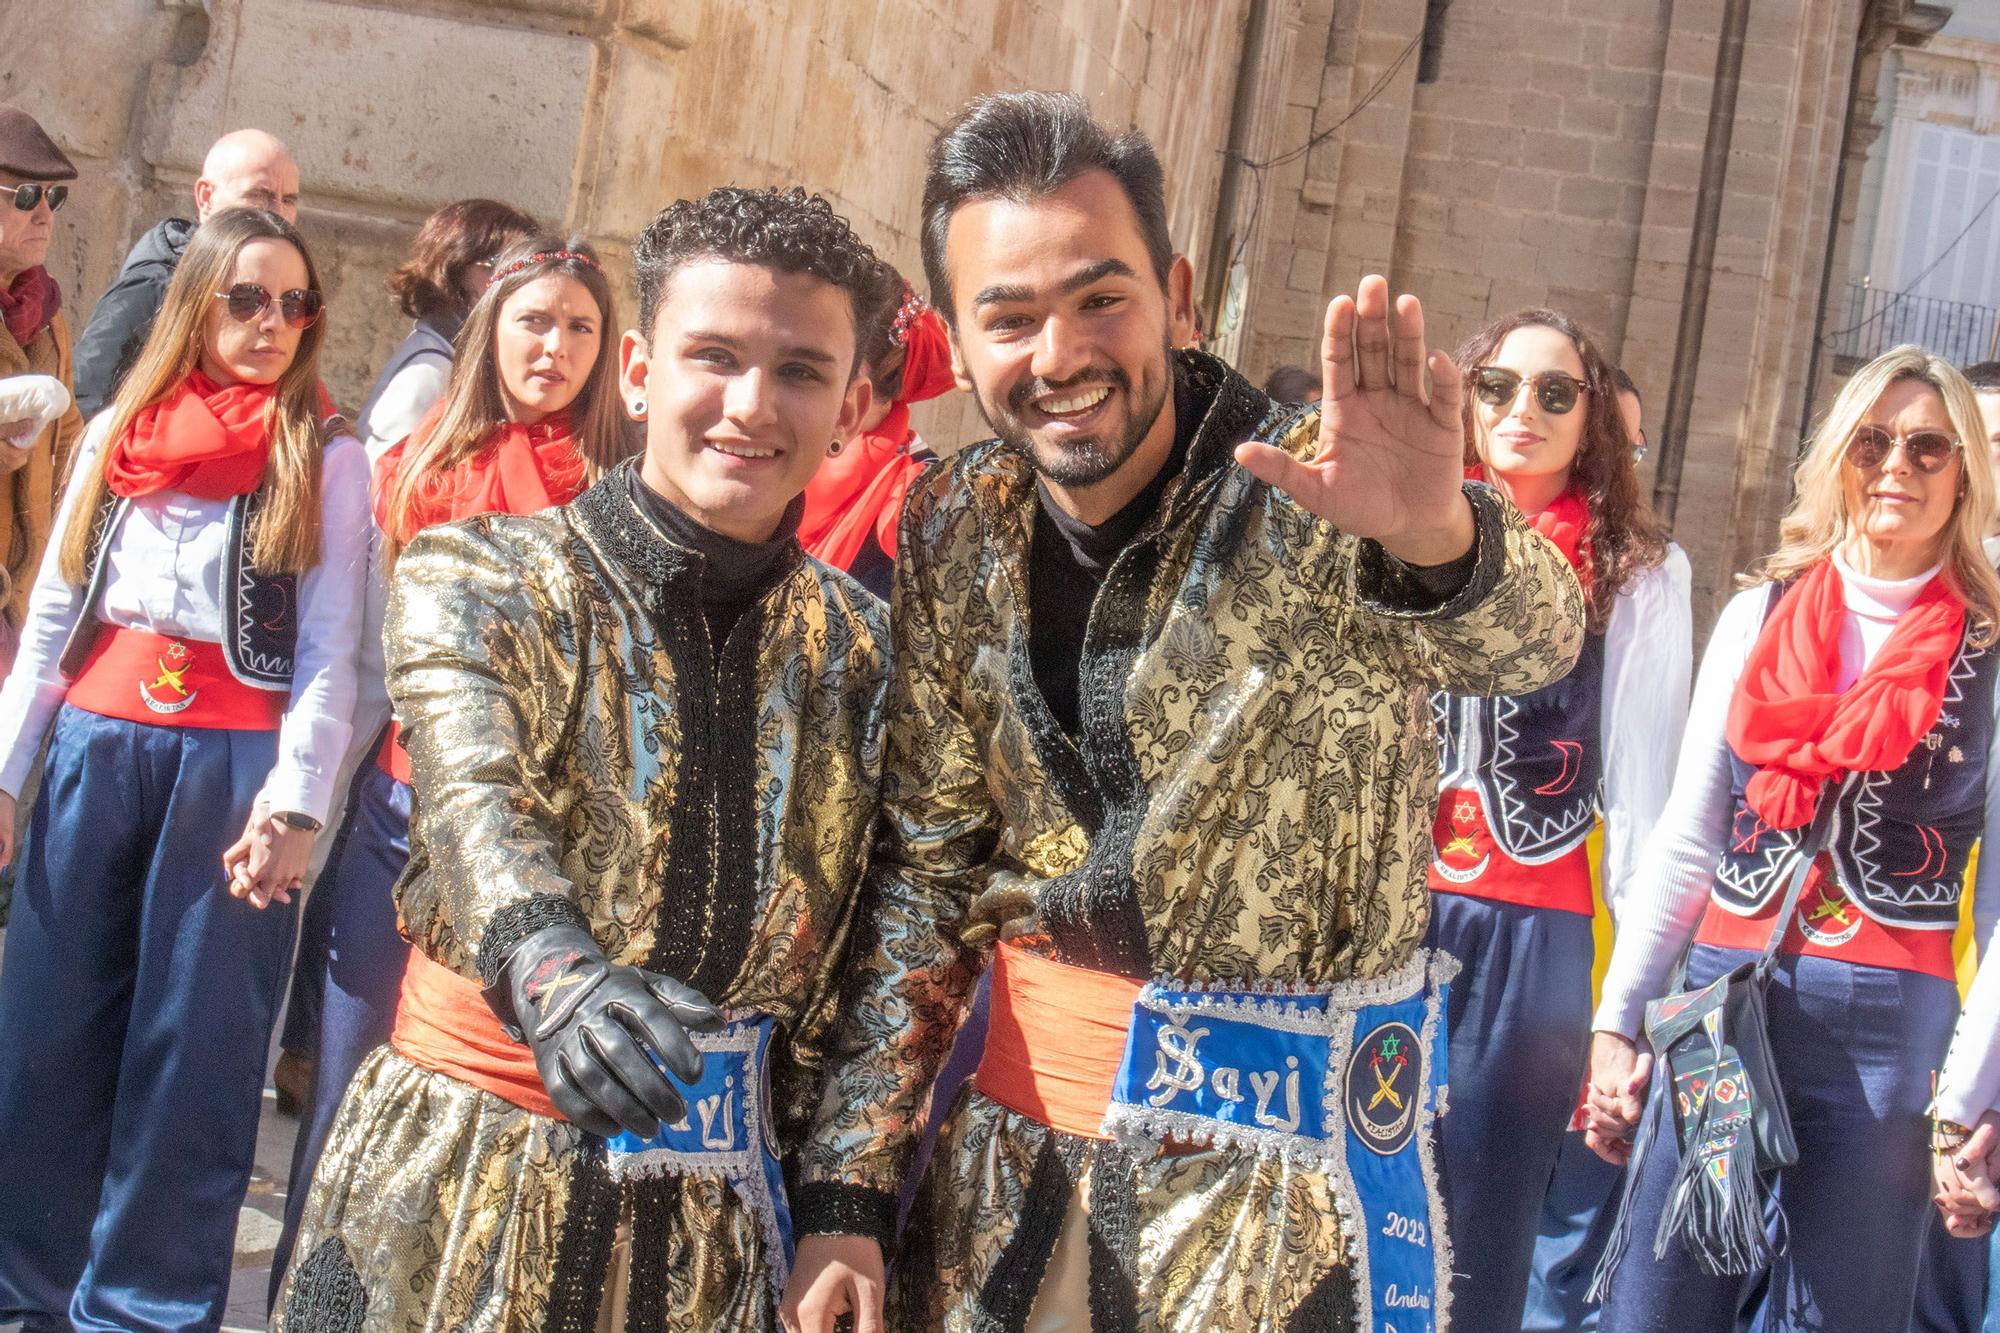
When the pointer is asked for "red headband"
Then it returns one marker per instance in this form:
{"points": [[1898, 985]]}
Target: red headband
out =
{"points": [[907, 314], [547, 257]]}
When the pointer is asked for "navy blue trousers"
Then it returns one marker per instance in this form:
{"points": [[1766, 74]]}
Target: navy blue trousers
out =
{"points": [[1855, 1047], [136, 1005], [1577, 1215], [350, 930], [1519, 1024]]}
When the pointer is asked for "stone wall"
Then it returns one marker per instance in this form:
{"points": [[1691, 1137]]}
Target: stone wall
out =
{"points": [[1551, 154], [1555, 159], [592, 114]]}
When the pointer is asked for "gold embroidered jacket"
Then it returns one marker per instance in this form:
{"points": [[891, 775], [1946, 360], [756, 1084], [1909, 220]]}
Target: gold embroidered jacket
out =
{"points": [[578, 755], [1249, 800]]}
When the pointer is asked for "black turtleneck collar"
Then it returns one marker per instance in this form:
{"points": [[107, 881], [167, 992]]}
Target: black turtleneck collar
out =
{"points": [[1094, 547], [734, 573]]}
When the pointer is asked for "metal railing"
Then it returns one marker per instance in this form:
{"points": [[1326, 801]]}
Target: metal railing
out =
{"points": [[1875, 319]]}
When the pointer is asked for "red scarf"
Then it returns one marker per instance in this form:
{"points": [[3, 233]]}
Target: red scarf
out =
{"points": [[30, 303], [519, 470], [1566, 522], [1788, 718], [860, 490], [198, 438]]}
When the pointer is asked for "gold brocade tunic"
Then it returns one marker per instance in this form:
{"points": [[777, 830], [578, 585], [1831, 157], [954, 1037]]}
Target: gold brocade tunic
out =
{"points": [[1249, 800], [579, 755]]}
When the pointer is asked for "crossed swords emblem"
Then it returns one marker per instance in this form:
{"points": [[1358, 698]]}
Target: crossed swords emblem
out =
{"points": [[174, 677], [1385, 1088]]}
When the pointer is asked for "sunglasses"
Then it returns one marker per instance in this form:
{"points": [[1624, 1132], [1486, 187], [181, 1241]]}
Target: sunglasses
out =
{"points": [[1556, 391], [27, 196], [1927, 450], [249, 300]]}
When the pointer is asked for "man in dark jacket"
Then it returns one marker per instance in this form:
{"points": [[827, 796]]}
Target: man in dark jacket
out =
{"points": [[244, 169]]}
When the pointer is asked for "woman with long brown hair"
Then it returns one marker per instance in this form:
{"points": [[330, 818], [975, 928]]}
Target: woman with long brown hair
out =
{"points": [[1524, 780], [532, 417], [1836, 773], [190, 645]]}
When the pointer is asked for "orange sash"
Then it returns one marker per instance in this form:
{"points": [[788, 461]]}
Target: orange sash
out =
{"points": [[443, 1025], [1054, 1039]]}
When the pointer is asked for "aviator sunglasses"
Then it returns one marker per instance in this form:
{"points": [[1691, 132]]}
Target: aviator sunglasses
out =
{"points": [[1555, 390], [249, 300], [27, 196], [1927, 450]]}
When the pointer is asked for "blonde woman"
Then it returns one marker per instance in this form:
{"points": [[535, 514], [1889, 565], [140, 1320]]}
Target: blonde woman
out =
{"points": [[530, 419], [189, 651], [1857, 668]]}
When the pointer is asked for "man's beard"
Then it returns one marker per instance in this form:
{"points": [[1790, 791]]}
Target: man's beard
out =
{"points": [[1092, 458]]}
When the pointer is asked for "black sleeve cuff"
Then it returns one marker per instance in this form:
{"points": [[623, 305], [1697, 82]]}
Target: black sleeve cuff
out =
{"points": [[829, 1208], [1390, 587], [510, 925]]}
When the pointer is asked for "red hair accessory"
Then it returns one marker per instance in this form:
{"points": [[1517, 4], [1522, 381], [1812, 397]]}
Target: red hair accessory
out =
{"points": [[907, 314], [547, 257]]}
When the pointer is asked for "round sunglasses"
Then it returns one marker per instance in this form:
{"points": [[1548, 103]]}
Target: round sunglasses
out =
{"points": [[247, 302], [1927, 450], [27, 196], [1555, 390]]}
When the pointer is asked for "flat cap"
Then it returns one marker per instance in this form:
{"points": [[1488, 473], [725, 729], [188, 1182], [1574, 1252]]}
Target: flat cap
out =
{"points": [[25, 150]]}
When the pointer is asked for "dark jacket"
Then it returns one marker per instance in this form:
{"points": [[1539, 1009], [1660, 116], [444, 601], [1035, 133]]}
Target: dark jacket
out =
{"points": [[124, 314]]}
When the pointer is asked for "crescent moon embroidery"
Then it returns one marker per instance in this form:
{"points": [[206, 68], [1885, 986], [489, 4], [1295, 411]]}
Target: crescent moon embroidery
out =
{"points": [[1572, 757], [1461, 874], [1933, 852], [159, 707]]}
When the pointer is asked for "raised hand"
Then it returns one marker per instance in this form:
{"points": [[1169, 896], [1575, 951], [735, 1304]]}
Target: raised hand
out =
{"points": [[1391, 438]]}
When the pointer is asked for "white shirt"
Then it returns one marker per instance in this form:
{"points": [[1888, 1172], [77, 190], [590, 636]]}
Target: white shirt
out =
{"points": [[1677, 869], [1648, 660], [164, 576]]}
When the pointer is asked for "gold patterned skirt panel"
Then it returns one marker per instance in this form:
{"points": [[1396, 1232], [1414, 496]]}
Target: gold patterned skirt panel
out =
{"points": [[1224, 1242], [443, 1209]]}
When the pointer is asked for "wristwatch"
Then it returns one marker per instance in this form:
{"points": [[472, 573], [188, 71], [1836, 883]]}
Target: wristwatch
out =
{"points": [[298, 821]]}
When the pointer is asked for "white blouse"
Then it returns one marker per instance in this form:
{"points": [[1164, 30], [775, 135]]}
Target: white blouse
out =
{"points": [[1677, 869], [164, 576], [1648, 659]]}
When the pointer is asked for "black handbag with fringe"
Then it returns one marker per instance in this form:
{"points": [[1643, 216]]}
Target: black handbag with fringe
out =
{"points": [[1721, 1093]]}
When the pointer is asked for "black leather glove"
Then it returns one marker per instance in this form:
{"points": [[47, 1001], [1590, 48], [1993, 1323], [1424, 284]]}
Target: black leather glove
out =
{"points": [[590, 1024]]}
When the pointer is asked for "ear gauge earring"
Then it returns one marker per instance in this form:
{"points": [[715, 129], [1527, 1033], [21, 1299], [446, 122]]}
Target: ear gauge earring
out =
{"points": [[638, 409], [832, 450]]}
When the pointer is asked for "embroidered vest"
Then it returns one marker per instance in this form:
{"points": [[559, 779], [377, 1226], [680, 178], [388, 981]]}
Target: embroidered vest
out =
{"points": [[260, 627], [1901, 839], [1537, 759]]}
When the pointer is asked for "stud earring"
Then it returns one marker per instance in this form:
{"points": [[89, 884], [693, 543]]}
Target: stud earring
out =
{"points": [[833, 450]]}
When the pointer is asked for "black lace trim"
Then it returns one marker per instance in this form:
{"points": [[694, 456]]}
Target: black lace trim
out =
{"points": [[1059, 757], [654, 1246], [1114, 1239], [830, 1208], [1008, 1297], [1386, 586], [583, 1244], [512, 924], [710, 882], [326, 1295]]}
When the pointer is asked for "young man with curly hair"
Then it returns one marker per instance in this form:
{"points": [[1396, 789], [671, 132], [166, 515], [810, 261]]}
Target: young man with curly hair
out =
{"points": [[643, 732], [1160, 750]]}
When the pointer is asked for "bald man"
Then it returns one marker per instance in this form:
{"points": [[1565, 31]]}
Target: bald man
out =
{"points": [[243, 169]]}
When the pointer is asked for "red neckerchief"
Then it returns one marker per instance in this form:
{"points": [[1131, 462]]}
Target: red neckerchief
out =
{"points": [[1787, 717], [519, 470], [198, 438], [860, 490], [30, 303], [1566, 522]]}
